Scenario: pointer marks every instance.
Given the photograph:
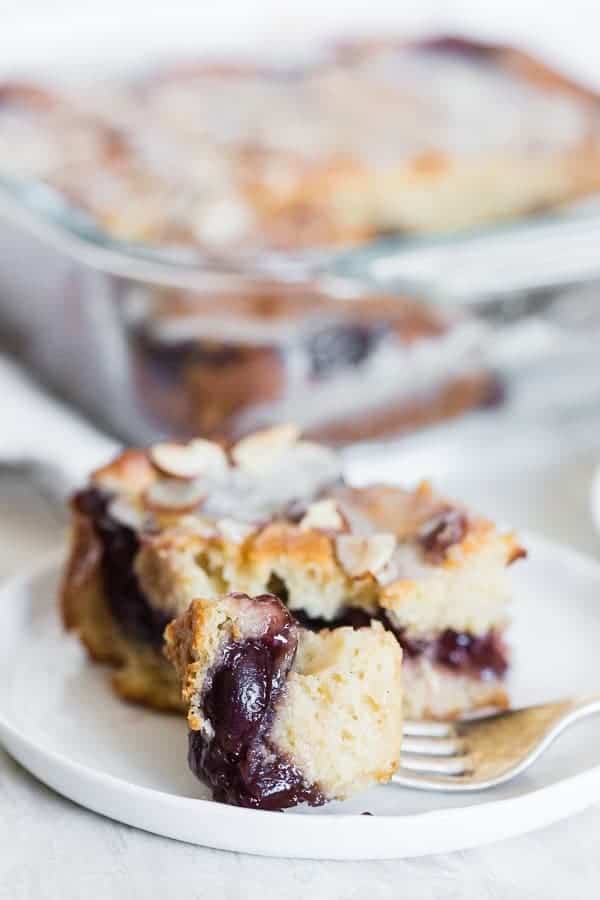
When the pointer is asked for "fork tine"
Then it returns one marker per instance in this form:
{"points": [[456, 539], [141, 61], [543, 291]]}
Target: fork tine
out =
{"points": [[433, 746], [498, 747], [429, 729], [440, 765]]}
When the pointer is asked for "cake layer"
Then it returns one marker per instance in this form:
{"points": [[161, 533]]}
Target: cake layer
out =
{"points": [[433, 691]]}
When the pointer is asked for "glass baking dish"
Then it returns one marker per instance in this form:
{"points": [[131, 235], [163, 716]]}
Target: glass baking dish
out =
{"points": [[151, 348], [156, 338]]}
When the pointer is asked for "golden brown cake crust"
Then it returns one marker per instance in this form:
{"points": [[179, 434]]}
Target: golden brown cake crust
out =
{"points": [[172, 559]]}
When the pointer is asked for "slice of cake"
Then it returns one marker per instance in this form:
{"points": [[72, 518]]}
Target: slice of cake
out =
{"points": [[156, 530], [279, 715]]}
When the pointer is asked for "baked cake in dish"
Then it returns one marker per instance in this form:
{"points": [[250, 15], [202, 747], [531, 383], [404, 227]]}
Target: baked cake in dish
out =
{"points": [[396, 136], [280, 715], [157, 530], [345, 366]]}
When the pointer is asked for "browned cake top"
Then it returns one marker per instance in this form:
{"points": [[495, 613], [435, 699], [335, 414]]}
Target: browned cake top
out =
{"points": [[241, 157], [274, 493]]}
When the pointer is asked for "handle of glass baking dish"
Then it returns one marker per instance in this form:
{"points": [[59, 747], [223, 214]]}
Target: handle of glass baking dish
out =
{"points": [[470, 269], [44, 440]]}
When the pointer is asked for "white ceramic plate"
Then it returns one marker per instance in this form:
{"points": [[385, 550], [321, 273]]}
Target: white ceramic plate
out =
{"points": [[60, 720], [595, 499]]}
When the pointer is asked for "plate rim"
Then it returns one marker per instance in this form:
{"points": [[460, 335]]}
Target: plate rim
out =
{"points": [[594, 499], [352, 830]]}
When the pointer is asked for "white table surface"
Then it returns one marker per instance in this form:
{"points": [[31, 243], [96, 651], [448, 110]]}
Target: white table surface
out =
{"points": [[51, 849]]}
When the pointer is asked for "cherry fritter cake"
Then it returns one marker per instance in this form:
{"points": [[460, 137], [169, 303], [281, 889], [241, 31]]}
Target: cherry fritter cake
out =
{"points": [[157, 529], [236, 158], [280, 715]]}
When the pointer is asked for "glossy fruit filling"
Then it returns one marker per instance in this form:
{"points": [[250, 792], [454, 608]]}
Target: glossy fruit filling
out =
{"points": [[480, 656], [233, 755], [127, 602]]}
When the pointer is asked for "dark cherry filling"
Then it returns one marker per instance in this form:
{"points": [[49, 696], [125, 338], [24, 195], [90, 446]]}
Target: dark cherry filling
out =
{"points": [[355, 618], [169, 360], [239, 699], [340, 346], [127, 602], [483, 656], [480, 656]]}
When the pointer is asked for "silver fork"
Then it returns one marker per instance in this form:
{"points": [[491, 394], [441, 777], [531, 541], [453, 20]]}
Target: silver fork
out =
{"points": [[481, 753]]}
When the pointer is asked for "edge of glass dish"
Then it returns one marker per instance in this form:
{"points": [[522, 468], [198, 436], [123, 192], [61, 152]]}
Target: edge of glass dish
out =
{"points": [[46, 213]]}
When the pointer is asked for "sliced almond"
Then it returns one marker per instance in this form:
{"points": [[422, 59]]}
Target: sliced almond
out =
{"points": [[365, 555], [174, 495], [257, 452], [388, 573], [235, 531], [323, 515], [127, 513], [189, 461], [131, 472]]}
